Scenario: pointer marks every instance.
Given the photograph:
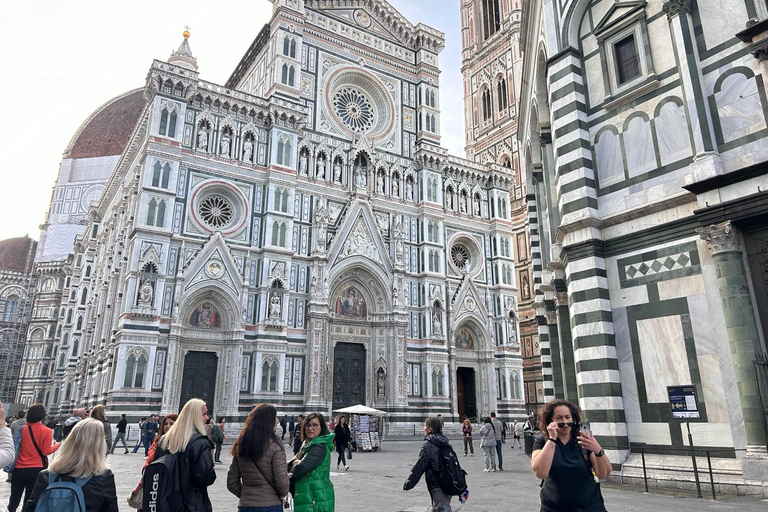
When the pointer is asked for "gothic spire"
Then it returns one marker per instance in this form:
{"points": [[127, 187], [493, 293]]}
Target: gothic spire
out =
{"points": [[183, 55]]}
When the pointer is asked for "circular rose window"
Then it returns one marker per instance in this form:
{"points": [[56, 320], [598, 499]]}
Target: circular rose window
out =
{"points": [[354, 109], [466, 254], [215, 211], [460, 256]]}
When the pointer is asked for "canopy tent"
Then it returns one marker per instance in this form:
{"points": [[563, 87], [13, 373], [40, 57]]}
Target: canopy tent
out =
{"points": [[361, 409]]}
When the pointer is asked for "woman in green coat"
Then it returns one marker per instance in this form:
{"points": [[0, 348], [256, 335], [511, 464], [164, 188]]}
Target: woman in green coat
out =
{"points": [[311, 469]]}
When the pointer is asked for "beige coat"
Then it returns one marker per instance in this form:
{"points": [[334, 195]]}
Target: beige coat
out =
{"points": [[248, 484]]}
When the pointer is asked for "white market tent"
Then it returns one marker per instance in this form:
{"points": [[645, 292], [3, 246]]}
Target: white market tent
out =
{"points": [[361, 409]]}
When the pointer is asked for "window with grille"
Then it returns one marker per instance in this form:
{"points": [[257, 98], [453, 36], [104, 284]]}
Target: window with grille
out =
{"points": [[627, 61]]}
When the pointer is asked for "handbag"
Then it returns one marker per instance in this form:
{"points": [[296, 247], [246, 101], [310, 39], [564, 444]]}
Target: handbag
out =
{"points": [[349, 453], [287, 499], [136, 498]]}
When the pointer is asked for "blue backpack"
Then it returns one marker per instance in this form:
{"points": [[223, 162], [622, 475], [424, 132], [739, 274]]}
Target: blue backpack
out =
{"points": [[16, 446], [62, 496]]}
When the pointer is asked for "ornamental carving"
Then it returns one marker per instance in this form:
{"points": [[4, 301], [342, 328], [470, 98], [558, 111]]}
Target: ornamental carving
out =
{"points": [[674, 7], [359, 242], [721, 237]]}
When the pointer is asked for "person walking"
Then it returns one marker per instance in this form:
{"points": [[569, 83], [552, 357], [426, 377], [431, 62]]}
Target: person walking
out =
{"points": [[284, 424], [428, 464], [466, 432], [499, 431], [100, 413], [310, 470], [36, 444], [187, 437], [149, 433], [291, 428], [341, 439], [121, 426], [140, 439], [516, 429], [69, 424], [297, 434], [258, 474], [82, 457], [488, 444], [570, 462], [217, 436]]}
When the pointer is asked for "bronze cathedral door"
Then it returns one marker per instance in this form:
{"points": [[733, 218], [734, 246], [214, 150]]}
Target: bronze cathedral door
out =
{"points": [[348, 375], [199, 378]]}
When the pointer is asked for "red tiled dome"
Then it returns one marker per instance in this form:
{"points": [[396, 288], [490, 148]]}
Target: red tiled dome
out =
{"points": [[17, 254], [107, 130]]}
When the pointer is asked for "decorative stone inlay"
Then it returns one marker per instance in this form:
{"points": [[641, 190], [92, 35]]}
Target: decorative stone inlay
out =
{"points": [[721, 237], [671, 262], [657, 266]]}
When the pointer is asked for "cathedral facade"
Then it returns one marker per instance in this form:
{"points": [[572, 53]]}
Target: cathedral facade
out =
{"points": [[296, 236], [642, 137]]}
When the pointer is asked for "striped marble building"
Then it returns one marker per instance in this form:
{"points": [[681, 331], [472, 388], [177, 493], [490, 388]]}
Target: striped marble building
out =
{"points": [[643, 135]]}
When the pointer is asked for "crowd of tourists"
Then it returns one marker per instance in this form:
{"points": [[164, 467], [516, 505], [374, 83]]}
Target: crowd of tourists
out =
{"points": [[181, 451]]}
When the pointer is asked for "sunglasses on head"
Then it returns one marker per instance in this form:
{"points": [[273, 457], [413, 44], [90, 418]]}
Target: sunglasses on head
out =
{"points": [[568, 423]]}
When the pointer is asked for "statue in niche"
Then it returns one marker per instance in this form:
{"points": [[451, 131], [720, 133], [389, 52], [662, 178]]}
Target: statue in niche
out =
{"points": [[380, 184], [202, 138], [225, 140], [303, 164], [409, 189], [274, 307], [248, 151], [381, 381], [337, 172], [449, 200], [145, 294], [526, 288], [437, 326], [477, 205], [463, 203], [395, 295], [511, 329], [313, 285], [395, 186], [321, 235], [361, 179], [320, 169]]}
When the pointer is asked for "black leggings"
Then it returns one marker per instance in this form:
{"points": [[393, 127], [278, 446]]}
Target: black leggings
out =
{"points": [[341, 460], [22, 481]]}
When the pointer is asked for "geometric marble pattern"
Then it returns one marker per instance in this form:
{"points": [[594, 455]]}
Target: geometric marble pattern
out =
{"points": [[658, 265], [665, 264]]}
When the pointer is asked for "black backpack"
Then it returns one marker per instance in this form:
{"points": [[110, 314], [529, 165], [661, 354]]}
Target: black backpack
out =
{"points": [[450, 479], [162, 484]]}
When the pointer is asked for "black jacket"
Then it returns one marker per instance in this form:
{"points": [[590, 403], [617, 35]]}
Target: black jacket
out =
{"points": [[200, 471], [428, 463], [99, 492], [341, 437]]}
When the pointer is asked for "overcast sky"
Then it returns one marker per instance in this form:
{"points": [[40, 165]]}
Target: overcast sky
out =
{"points": [[63, 59]]}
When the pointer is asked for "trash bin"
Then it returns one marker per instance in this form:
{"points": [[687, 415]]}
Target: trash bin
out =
{"points": [[529, 439]]}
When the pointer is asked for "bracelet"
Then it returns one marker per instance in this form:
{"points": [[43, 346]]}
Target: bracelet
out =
{"points": [[600, 453]]}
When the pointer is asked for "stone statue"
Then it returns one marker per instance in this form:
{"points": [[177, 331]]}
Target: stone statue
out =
{"points": [[337, 172], [202, 139], [360, 179], [225, 145], [381, 378], [313, 285], [463, 203], [321, 235], [477, 205], [449, 200], [395, 295], [247, 151], [437, 326], [320, 169], [274, 307], [409, 189], [395, 187], [303, 164], [145, 294], [380, 184]]}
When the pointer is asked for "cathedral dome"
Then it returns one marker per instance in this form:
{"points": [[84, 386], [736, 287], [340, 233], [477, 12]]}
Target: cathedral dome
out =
{"points": [[107, 129], [16, 254]]}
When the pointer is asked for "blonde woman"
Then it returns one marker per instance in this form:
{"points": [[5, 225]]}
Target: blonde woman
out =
{"points": [[187, 436], [82, 459], [100, 413]]}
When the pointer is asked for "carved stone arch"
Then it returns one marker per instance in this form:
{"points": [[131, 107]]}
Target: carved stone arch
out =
{"points": [[137, 352], [368, 279], [13, 290], [571, 25], [225, 304], [271, 359], [474, 327], [250, 128], [306, 144]]}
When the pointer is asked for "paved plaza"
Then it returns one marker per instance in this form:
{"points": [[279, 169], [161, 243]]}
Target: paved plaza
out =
{"points": [[375, 481]]}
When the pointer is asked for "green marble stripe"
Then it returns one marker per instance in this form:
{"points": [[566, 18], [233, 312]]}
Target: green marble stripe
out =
{"points": [[585, 295], [566, 71], [586, 274], [594, 340], [578, 124], [613, 442], [579, 163], [592, 365], [576, 185], [736, 56], [570, 88], [579, 204], [575, 106], [579, 143], [605, 415], [701, 108], [591, 318], [599, 389]]}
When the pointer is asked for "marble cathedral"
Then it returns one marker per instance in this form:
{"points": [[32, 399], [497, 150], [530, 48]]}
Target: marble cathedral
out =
{"points": [[296, 235]]}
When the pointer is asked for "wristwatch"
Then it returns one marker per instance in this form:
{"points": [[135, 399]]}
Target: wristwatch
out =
{"points": [[551, 439], [600, 453]]}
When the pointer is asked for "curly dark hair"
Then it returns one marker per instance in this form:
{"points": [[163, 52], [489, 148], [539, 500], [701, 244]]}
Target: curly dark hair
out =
{"points": [[549, 411]]}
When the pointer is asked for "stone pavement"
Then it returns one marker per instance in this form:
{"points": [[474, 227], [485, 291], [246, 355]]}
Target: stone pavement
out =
{"points": [[375, 481]]}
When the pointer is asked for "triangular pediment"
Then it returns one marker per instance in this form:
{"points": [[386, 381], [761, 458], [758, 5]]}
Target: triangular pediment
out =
{"points": [[375, 16], [359, 238], [617, 13], [213, 265], [468, 302]]}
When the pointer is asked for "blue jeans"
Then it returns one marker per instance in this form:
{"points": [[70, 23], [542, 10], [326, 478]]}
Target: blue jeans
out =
{"points": [[273, 508], [498, 453]]}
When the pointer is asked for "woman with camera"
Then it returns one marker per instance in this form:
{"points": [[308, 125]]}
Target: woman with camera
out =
{"points": [[569, 460], [311, 469], [258, 474]]}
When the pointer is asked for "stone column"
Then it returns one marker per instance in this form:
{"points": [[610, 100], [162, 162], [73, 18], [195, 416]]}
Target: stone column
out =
{"points": [[570, 390], [740, 324]]}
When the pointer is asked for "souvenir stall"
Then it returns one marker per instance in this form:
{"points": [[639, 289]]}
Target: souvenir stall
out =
{"points": [[368, 426]]}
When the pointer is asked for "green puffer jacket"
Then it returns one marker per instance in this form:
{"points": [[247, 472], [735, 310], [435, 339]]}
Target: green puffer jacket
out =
{"points": [[312, 474]]}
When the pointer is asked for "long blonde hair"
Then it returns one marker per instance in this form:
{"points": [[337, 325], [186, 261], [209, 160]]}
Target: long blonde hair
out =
{"points": [[99, 413], [83, 452], [190, 420]]}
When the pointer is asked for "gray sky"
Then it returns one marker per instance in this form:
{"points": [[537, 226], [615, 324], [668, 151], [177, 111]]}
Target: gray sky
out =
{"points": [[63, 59]]}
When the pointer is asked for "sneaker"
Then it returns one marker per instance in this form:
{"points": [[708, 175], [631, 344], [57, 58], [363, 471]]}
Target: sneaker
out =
{"points": [[486, 470], [346, 468], [472, 455], [501, 468], [338, 467], [494, 470], [126, 452]]}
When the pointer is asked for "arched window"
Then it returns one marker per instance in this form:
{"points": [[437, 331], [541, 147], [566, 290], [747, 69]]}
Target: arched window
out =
{"points": [[151, 212], [293, 48], [84, 297], [56, 395], [286, 45], [501, 92], [269, 375], [278, 234], [278, 197], [486, 100], [280, 151], [88, 271], [76, 346], [172, 125], [432, 189], [166, 175], [68, 395], [491, 18], [284, 76], [282, 234], [291, 76], [79, 323], [69, 316], [163, 121], [135, 368], [287, 151], [156, 174], [284, 202], [62, 360], [11, 308], [65, 339]]}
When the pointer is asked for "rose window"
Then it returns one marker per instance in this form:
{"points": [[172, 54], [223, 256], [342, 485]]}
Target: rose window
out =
{"points": [[216, 211], [354, 109], [460, 256]]}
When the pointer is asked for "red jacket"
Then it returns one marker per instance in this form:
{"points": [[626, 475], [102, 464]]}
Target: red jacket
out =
{"points": [[28, 456]]}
